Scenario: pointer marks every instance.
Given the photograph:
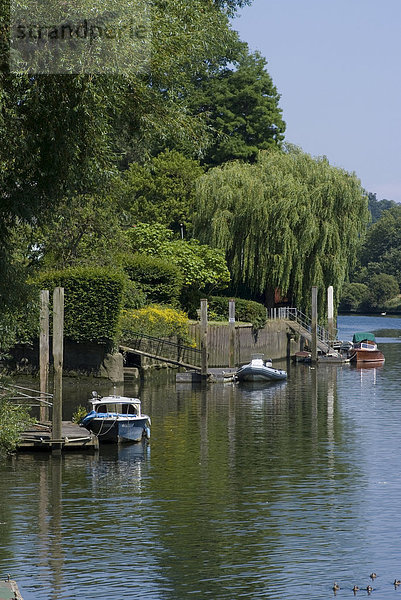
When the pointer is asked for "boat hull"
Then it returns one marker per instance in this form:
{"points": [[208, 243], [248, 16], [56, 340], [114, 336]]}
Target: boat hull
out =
{"points": [[252, 373], [114, 431], [358, 355]]}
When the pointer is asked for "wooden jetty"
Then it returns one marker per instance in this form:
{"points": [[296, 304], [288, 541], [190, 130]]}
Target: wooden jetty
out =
{"points": [[214, 375], [9, 590], [73, 437]]}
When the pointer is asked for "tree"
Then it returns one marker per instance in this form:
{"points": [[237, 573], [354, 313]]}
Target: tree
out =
{"points": [[204, 269], [160, 191], [287, 222], [353, 295], [382, 237], [65, 135], [377, 207], [382, 287], [242, 111]]}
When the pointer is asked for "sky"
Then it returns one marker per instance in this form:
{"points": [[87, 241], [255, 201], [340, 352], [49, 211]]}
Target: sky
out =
{"points": [[337, 66]]}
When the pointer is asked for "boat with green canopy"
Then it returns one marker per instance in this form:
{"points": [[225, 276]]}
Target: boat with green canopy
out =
{"points": [[364, 349]]}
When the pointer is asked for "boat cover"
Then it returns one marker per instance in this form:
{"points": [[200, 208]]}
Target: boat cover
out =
{"points": [[362, 337]]}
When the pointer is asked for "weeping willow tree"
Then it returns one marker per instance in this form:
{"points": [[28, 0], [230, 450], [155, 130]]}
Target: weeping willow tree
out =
{"points": [[288, 222]]}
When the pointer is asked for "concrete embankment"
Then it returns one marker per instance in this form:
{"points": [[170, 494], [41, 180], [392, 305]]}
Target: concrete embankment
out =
{"points": [[9, 590]]}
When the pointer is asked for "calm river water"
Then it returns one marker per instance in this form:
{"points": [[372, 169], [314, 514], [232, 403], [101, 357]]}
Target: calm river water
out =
{"points": [[243, 492]]}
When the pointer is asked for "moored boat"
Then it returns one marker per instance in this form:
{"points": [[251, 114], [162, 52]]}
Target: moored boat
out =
{"points": [[259, 370], [116, 419], [364, 349]]}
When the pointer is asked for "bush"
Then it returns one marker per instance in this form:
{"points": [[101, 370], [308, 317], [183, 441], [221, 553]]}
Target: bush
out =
{"points": [[158, 278], [93, 300], [245, 310], [157, 321], [13, 420]]}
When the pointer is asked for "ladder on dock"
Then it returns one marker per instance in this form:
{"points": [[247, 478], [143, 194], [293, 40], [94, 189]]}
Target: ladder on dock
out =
{"points": [[301, 324]]}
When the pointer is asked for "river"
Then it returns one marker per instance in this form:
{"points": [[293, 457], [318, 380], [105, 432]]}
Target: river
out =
{"points": [[242, 492]]}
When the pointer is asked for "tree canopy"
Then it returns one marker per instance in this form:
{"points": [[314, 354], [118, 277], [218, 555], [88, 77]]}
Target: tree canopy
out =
{"points": [[288, 222], [241, 106]]}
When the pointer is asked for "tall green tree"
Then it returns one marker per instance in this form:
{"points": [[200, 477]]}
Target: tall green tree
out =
{"points": [[241, 106], [65, 135], [160, 191], [287, 222]]}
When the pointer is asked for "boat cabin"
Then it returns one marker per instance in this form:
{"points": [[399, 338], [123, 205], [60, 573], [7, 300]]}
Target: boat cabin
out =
{"points": [[117, 405]]}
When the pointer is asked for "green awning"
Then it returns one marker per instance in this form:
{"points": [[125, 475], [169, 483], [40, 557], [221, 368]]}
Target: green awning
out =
{"points": [[362, 337]]}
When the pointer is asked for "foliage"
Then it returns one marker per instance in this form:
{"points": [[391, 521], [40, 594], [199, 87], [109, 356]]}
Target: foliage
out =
{"points": [[13, 420], [377, 207], [382, 287], [93, 300], [160, 191], [353, 296], [240, 104], [289, 222], [84, 231], [157, 278], [79, 413], [382, 237], [200, 265], [245, 310], [157, 321], [64, 136]]}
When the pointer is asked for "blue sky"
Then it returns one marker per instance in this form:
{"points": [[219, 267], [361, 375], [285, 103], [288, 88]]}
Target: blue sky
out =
{"points": [[336, 64]]}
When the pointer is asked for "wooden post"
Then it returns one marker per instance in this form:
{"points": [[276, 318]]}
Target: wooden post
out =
{"points": [[231, 325], [44, 354], [314, 325], [58, 334], [203, 326], [330, 313]]}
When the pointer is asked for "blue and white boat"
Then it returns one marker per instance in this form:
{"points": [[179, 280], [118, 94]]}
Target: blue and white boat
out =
{"points": [[260, 370], [116, 419]]}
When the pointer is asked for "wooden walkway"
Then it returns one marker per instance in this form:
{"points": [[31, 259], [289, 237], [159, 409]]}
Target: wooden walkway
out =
{"points": [[73, 437]]}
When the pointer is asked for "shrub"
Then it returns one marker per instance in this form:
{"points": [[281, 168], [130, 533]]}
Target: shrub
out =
{"points": [[158, 278], [157, 321], [13, 420], [245, 310], [93, 300]]}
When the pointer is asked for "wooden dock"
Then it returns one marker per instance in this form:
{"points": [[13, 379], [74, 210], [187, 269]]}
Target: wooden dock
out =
{"points": [[214, 375], [73, 437], [9, 590]]}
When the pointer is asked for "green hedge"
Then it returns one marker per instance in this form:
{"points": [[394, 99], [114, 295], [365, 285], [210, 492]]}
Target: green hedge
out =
{"points": [[245, 310], [93, 300], [158, 278]]}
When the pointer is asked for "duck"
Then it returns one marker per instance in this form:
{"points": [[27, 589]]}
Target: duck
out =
{"points": [[373, 575], [355, 589], [369, 589], [335, 586], [397, 581]]}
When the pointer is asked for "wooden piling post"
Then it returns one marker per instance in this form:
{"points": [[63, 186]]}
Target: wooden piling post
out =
{"points": [[231, 322], [330, 313], [203, 327], [314, 326], [58, 335], [44, 354]]}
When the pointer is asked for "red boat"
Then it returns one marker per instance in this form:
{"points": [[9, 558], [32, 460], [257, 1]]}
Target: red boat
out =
{"points": [[364, 349]]}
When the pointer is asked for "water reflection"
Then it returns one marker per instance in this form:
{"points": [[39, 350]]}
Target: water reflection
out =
{"points": [[243, 492]]}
